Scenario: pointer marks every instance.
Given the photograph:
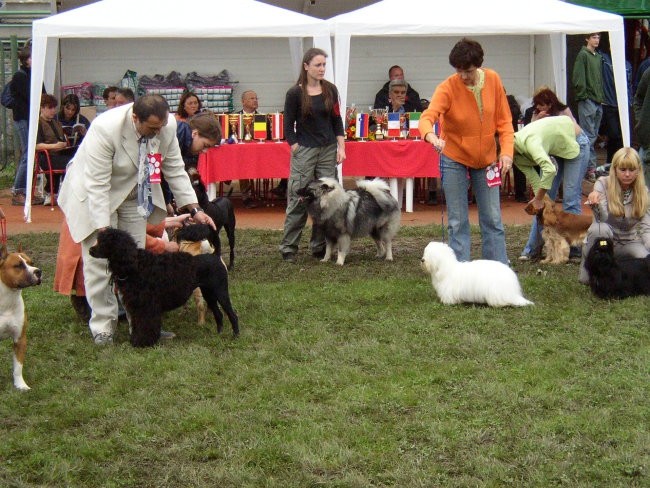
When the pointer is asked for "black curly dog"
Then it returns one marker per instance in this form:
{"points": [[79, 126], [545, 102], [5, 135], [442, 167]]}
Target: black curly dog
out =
{"points": [[150, 284], [612, 277], [220, 210]]}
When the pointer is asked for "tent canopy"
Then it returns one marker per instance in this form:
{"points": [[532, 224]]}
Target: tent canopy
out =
{"points": [[478, 18], [135, 19]]}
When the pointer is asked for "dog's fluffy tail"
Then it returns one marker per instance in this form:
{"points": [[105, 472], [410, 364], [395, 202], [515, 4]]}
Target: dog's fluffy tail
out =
{"points": [[380, 190], [373, 185]]}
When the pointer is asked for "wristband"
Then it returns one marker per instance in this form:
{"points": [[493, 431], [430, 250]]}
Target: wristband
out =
{"points": [[195, 210]]}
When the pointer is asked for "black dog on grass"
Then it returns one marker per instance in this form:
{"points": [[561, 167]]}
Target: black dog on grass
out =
{"points": [[612, 277], [220, 210], [150, 284]]}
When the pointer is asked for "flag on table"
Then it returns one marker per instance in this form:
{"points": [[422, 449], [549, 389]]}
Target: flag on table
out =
{"points": [[277, 126], [259, 126], [414, 122], [394, 129], [223, 125], [362, 125]]}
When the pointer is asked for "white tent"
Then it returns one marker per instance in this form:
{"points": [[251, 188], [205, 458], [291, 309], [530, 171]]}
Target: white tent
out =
{"points": [[138, 19], [427, 18]]}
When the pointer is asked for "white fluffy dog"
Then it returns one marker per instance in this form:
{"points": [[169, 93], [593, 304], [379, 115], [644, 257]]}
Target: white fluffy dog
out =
{"points": [[481, 281]]}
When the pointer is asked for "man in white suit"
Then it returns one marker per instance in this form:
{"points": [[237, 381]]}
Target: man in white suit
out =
{"points": [[101, 189]]}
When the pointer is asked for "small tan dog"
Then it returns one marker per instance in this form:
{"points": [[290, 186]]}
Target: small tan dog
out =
{"points": [[195, 247], [16, 273], [561, 230]]}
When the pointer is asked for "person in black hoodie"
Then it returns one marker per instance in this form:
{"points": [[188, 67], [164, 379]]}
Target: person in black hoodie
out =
{"points": [[20, 86], [412, 102]]}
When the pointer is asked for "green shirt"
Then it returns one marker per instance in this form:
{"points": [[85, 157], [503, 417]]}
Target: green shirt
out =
{"points": [[535, 143], [588, 76]]}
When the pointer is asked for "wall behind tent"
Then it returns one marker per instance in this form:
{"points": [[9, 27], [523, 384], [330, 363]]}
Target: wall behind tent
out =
{"points": [[263, 64], [426, 63]]}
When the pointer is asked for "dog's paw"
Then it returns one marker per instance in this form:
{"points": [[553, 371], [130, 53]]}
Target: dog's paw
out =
{"points": [[22, 386]]}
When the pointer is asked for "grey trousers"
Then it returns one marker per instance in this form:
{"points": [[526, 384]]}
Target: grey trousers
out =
{"points": [[99, 292], [307, 164]]}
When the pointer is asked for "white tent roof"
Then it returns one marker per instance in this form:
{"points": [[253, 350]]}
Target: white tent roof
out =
{"points": [[480, 17], [161, 19]]}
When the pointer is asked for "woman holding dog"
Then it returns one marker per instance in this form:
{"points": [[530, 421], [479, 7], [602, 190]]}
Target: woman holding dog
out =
{"points": [[560, 149], [472, 107], [314, 129], [621, 206]]}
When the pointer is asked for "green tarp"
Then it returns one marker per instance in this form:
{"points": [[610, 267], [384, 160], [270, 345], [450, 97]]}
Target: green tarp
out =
{"points": [[626, 8]]}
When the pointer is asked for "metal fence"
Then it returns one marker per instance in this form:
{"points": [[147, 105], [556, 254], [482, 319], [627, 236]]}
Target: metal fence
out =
{"points": [[9, 143]]}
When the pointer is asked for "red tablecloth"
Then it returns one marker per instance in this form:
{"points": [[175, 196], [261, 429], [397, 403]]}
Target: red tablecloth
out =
{"points": [[403, 158], [247, 160], [388, 159]]}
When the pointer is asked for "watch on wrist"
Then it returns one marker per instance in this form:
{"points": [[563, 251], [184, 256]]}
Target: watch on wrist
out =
{"points": [[195, 210]]}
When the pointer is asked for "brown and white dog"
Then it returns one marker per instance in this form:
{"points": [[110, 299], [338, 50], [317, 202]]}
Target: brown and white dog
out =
{"points": [[561, 230], [16, 273]]}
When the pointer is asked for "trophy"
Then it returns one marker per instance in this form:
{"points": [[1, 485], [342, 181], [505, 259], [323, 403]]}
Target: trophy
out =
{"points": [[379, 114]]}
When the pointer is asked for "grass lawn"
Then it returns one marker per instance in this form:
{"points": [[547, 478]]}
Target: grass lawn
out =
{"points": [[342, 377]]}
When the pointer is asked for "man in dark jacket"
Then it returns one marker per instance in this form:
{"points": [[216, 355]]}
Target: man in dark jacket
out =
{"points": [[412, 103], [20, 86]]}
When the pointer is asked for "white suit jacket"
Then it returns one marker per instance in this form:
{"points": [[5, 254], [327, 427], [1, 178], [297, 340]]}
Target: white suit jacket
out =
{"points": [[105, 170]]}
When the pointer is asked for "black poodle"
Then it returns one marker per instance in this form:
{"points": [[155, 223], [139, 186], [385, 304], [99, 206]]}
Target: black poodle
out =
{"points": [[220, 210], [612, 277], [150, 284]]}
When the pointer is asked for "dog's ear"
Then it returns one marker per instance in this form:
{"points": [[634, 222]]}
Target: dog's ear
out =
{"points": [[549, 217]]}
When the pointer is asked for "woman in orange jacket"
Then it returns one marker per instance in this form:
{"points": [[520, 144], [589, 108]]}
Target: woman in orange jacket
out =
{"points": [[472, 109]]}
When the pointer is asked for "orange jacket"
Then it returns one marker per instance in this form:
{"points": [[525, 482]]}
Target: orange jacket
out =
{"points": [[470, 137]]}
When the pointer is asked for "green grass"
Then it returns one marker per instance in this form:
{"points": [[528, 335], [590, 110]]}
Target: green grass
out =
{"points": [[342, 377]]}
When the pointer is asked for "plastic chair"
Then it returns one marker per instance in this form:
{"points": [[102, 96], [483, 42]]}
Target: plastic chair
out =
{"points": [[44, 155]]}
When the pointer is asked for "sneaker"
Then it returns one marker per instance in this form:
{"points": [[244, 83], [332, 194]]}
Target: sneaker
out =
{"points": [[103, 339], [47, 200], [524, 257], [575, 252], [289, 257], [165, 334], [249, 203], [18, 199]]}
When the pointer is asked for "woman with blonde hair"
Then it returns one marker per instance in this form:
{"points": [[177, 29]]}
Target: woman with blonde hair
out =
{"points": [[621, 207]]}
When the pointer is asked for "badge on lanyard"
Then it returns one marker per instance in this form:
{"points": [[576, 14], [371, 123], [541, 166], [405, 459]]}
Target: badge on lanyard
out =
{"points": [[155, 163]]}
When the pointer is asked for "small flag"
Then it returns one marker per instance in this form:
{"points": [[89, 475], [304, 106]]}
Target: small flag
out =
{"points": [[259, 126], [414, 122], [394, 129], [277, 126], [362, 125], [223, 125]]}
